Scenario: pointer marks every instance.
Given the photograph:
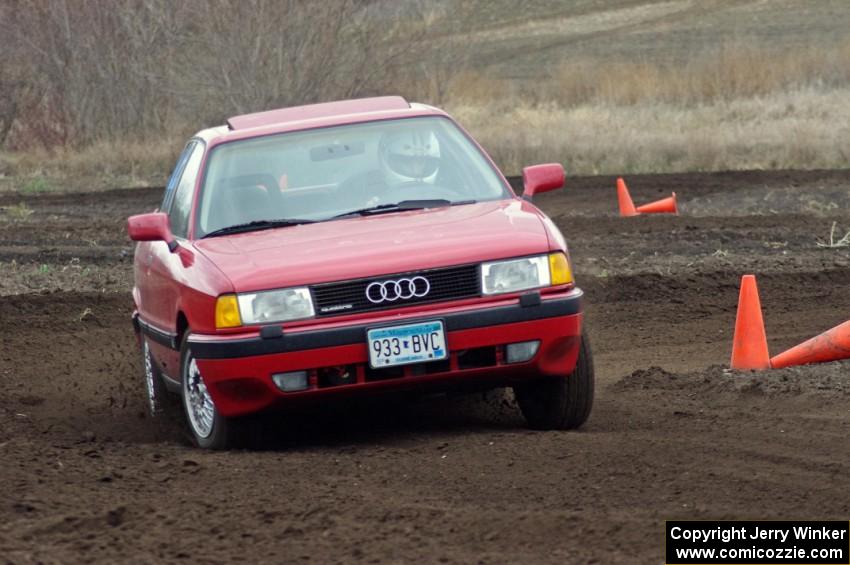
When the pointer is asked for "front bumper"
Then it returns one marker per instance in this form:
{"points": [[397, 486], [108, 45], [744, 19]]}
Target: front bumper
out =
{"points": [[237, 368]]}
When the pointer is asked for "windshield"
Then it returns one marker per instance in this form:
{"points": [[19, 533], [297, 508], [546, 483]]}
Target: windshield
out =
{"points": [[324, 173]]}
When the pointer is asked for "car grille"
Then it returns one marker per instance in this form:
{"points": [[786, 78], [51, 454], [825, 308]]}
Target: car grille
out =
{"points": [[347, 297]]}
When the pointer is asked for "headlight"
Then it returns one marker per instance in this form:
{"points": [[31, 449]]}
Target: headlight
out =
{"points": [[275, 306], [515, 275]]}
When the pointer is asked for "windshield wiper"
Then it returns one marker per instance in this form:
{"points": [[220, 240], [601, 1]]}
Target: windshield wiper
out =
{"points": [[258, 225], [402, 206]]}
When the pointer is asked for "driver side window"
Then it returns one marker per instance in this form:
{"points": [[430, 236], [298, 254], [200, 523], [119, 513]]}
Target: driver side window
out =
{"points": [[175, 177], [181, 205]]}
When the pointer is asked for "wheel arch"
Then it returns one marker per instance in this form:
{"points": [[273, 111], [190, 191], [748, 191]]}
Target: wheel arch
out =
{"points": [[182, 326]]}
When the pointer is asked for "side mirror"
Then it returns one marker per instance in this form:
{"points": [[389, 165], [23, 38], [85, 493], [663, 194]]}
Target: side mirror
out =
{"points": [[151, 227], [541, 178]]}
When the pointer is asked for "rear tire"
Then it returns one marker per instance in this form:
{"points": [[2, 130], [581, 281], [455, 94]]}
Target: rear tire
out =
{"points": [[560, 403], [208, 428]]}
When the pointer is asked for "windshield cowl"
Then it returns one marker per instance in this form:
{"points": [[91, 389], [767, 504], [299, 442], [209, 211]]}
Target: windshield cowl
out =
{"points": [[403, 206], [257, 225]]}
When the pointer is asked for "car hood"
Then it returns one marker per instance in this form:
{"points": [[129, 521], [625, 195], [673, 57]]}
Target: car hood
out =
{"points": [[366, 246]]}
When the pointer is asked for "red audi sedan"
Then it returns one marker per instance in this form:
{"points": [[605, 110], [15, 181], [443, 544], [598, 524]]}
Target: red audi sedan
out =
{"points": [[346, 248]]}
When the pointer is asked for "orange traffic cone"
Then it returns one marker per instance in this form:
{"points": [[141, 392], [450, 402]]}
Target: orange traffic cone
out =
{"points": [[749, 346], [627, 207], [831, 345], [663, 206]]}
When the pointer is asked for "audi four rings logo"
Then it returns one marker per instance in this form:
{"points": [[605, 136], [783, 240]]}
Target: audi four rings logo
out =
{"points": [[401, 289]]}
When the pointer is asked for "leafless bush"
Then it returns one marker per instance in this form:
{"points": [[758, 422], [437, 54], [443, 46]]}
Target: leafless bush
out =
{"points": [[439, 61], [9, 99], [285, 52], [106, 69], [8, 85], [94, 66]]}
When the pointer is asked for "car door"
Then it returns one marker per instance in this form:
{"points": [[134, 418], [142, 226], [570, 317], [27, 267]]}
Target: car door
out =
{"points": [[145, 249], [164, 273]]}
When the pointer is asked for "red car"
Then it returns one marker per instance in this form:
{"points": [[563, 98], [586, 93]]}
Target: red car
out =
{"points": [[353, 247]]}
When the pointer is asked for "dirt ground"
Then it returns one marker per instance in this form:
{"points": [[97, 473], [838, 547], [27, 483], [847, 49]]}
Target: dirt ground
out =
{"points": [[86, 477]]}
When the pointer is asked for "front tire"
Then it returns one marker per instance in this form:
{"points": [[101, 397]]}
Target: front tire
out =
{"points": [[208, 428], [158, 397], [560, 403]]}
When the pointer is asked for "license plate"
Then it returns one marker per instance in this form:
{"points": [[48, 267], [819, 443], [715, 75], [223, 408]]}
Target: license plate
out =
{"points": [[403, 345]]}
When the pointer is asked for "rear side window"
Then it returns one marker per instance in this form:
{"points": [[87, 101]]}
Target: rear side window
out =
{"points": [[181, 205]]}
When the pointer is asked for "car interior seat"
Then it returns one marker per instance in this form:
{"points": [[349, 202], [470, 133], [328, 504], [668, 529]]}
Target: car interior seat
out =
{"points": [[243, 199]]}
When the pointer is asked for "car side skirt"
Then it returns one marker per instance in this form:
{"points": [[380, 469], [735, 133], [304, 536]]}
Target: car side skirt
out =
{"points": [[162, 337]]}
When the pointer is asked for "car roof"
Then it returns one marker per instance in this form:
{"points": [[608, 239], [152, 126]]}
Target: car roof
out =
{"points": [[316, 116]]}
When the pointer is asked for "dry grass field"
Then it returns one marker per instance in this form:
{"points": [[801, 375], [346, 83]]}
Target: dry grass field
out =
{"points": [[623, 87]]}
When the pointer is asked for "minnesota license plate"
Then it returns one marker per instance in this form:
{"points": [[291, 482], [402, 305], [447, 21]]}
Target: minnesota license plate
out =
{"points": [[403, 345]]}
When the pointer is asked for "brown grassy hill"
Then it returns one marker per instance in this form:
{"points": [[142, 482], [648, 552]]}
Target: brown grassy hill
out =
{"points": [[520, 39]]}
